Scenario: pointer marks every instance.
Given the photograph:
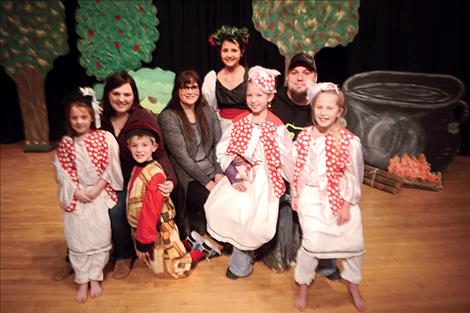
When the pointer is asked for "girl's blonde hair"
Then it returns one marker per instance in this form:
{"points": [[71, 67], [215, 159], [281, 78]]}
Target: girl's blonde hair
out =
{"points": [[340, 121]]}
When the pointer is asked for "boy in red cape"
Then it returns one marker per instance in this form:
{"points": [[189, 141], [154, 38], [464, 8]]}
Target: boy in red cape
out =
{"points": [[155, 234]]}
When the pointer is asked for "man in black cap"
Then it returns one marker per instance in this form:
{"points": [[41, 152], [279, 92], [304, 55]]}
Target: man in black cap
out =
{"points": [[290, 105]]}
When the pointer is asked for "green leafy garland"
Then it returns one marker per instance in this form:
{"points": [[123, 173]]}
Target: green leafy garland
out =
{"points": [[231, 33]]}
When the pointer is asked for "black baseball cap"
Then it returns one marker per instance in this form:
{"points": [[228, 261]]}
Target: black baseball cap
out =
{"points": [[303, 59]]}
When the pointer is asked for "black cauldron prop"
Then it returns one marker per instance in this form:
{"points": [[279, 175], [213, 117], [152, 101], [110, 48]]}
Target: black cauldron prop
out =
{"points": [[400, 112]]}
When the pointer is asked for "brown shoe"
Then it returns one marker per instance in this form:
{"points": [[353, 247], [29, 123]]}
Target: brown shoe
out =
{"points": [[122, 268], [63, 272]]}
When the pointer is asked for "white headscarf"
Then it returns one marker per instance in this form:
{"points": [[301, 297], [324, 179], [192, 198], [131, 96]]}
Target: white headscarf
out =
{"points": [[314, 88], [264, 78]]}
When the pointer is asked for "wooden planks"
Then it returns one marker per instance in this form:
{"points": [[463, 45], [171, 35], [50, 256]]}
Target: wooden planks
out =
{"points": [[417, 257]]}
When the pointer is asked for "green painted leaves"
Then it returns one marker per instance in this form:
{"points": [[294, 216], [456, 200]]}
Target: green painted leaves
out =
{"points": [[115, 35], [306, 26]]}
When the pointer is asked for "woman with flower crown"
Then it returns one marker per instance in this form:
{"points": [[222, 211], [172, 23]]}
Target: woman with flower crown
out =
{"points": [[88, 174], [225, 90], [255, 153]]}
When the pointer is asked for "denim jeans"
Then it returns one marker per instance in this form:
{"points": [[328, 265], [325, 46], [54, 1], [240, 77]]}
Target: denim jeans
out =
{"points": [[326, 267], [241, 262], [123, 247]]}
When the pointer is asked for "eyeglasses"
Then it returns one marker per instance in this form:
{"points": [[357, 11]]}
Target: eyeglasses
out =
{"points": [[190, 88]]}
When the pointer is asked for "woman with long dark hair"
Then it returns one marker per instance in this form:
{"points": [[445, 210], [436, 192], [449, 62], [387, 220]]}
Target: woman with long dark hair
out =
{"points": [[192, 130], [122, 110]]}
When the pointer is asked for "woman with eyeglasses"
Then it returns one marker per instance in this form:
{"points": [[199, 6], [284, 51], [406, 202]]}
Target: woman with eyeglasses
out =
{"points": [[191, 130], [225, 90]]}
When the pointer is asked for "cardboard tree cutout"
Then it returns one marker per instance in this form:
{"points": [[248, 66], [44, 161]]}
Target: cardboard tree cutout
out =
{"points": [[306, 26], [32, 35], [115, 35], [155, 87]]}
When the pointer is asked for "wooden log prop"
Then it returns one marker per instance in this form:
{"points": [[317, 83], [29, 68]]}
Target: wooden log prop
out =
{"points": [[382, 176], [380, 186], [421, 185], [382, 180]]}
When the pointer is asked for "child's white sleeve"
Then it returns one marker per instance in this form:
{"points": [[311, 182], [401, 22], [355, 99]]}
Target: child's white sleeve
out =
{"points": [[66, 188], [113, 174], [286, 149], [223, 158], [351, 184]]}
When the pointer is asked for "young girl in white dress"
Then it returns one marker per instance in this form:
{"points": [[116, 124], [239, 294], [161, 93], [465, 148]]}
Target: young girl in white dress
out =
{"points": [[326, 188], [88, 173], [242, 208]]}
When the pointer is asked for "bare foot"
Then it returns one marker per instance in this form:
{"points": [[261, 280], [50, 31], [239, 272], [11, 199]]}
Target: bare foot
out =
{"points": [[81, 295], [358, 301], [95, 289], [300, 301]]}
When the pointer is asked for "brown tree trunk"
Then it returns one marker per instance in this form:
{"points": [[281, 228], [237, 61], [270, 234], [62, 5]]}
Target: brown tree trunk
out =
{"points": [[30, 86]]}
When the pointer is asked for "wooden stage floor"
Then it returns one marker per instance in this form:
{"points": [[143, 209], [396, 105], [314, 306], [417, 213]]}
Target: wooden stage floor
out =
{"points": [[417, 259]]}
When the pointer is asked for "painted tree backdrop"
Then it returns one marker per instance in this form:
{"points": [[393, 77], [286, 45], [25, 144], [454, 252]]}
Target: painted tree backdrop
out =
{"points": [[32, 35], [306, 26], [115, 35]]}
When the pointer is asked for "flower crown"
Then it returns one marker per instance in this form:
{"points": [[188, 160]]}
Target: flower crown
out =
{"points": [[231, 33]]}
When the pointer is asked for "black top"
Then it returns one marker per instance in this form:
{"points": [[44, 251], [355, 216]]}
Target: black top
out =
{"points": [[234, 98], [295, 117]]}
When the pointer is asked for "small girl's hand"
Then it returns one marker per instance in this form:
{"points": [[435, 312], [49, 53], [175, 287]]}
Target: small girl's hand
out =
{"points": [[239, 160], [166, 188], [93, 193], [240, 186], [295, 203], [82, 196], [96, 190], [344, 214]]}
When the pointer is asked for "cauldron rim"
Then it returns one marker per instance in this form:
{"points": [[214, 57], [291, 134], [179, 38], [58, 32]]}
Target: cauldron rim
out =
{"points": [[350, 92]]}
